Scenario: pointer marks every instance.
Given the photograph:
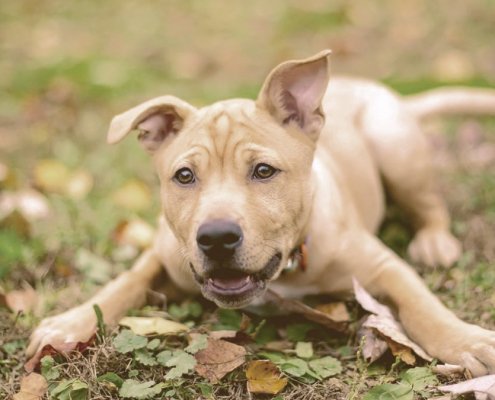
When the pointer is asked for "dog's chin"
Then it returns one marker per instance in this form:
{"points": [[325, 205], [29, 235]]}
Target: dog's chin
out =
{"points": [[236, 288]]}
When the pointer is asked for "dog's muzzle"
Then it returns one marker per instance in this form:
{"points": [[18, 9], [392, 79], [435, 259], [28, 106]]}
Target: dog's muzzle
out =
{"points": [[234, 288]]}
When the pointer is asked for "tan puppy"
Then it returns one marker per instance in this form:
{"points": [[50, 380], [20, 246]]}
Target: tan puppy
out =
{"points": [[245, 183]]}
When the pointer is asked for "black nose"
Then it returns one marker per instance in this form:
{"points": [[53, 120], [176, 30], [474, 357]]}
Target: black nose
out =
{"points": [[218, 239]]}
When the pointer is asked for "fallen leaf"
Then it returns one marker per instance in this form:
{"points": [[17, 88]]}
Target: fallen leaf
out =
{"points": [[336, 311], [133, 195], [264, 377], [20, 300], [373, 347], [484, 385], [135, 232], [51, 175], [448, 370], [31, 204], [151, 325], [383, 321], [33, 387], [311, 314], [78, 184], [54, 349], [218, 359]]}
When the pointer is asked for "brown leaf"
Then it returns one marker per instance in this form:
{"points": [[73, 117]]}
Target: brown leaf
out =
{"points": [[383, 321], [484, 385], [51, 176], [33, 387], [153, 325], [373, 347], [20, 300], [312, 314], [133, 195], [218, 359], [56, 348], [264, 377], [403, 352], [135, 232], [336, 311]]}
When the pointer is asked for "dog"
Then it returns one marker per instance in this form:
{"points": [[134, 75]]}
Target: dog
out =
{"points": [[294, 179]]}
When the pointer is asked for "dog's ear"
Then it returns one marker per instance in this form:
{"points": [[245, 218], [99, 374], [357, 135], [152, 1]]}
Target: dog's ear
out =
{"points": [[293, 91], [155, 119]]}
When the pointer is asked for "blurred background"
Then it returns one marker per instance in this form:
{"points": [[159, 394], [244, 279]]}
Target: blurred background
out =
{"points": [[71, 206]]}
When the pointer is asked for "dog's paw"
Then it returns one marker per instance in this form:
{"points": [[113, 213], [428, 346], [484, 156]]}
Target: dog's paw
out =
{"points": [[73, 326], [435, 247], [472, 347]]}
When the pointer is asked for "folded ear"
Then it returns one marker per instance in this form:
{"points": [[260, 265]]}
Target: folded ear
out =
{"points": [[155, 119], [293, 91]]}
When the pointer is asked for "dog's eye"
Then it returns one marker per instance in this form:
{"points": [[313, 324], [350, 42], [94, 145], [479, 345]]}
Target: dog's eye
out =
{"points": [[264, 171], [184, 176]]}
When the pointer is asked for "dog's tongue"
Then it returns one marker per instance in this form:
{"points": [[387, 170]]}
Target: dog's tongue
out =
{"points": [[231, 282]]}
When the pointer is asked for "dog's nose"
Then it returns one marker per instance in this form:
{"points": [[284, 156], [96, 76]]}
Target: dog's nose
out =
{"points": [[219, 238]]}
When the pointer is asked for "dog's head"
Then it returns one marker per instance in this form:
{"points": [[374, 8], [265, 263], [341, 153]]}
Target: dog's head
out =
{"points": [[236, 184]]}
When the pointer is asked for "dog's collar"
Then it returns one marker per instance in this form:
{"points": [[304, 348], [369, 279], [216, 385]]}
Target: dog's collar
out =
{"points": [[297, 260]]}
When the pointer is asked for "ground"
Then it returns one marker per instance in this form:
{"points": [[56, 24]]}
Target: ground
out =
{"points": [[67, 68]]}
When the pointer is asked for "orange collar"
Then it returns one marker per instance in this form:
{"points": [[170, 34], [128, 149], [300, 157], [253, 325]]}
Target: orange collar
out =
{"points": [[297, 260]]}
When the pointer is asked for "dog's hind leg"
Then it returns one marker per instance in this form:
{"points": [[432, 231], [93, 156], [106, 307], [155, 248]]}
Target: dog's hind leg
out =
{"points": [[404, 159], [78, 324]]}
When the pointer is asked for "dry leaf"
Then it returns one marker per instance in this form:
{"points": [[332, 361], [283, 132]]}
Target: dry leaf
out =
{"points": [[264, 377], [373, 347], [51, 176], [484, 387], [135, 232], [152, 325], [20, 300], [401, 351], [448, 370], [218, 359], [33, 387], [336, 311], [384, 322], [78, 184], [133, 195], [312, 314], [56, 348]]}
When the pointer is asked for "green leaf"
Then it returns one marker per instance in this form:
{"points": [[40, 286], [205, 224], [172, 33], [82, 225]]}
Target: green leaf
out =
{"points": [[111, 377], [228, 319], [326, 366], [295, 367], [419, 378], [14, 345], [126, 341], [181, 362], [144, 357], [265, 333], [200, 342], [188, 309], [389, 391], [140, 390], [164, 356], [298, 332], [206, 389], [304, 349], [72, 389], [277, 358], [48, 368], [153, 344]]}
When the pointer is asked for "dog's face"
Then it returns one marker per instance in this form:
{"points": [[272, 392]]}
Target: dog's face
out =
{"points": [[235, 177]]}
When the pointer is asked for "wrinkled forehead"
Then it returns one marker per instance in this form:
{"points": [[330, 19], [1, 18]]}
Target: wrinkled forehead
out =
{"points": [[225, 130]]}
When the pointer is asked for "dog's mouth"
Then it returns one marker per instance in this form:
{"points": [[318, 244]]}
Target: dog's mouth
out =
{"points": [[233, 288]]}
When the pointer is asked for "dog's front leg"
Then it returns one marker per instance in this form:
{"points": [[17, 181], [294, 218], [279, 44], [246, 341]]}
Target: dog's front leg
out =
{"points": [[78, 324], [426, 320]]}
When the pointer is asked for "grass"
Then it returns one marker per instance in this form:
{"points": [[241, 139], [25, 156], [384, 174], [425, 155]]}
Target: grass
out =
{"points": [[68, 68]]}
